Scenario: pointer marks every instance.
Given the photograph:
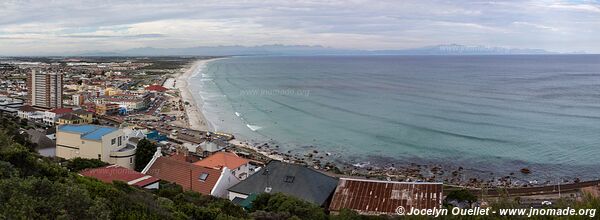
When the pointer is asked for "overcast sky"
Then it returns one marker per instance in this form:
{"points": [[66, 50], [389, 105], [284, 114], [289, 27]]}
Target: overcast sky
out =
{"points": [[60, 26]]}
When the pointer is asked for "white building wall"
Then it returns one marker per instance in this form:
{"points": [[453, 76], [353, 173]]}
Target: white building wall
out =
{"points": [[50, 118], [232, 195], [152, 186], [226, 181]]}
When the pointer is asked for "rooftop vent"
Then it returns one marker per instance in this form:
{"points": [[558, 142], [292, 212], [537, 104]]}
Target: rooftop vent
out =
{"points": [[268, 189], [289, 179]]}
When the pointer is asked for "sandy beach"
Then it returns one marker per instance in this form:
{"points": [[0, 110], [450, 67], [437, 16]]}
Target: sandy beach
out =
{"points": [[196, 118]]}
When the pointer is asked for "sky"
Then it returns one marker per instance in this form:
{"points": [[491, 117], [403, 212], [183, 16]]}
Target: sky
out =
{"points": [[39, 27]]}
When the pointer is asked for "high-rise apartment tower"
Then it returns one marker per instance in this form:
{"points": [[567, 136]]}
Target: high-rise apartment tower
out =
{"points": [[44, 89]]}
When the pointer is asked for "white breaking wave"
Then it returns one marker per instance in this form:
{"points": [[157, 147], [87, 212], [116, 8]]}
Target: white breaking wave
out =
{"points": [[253, 127], [361, 165], [198, 70]]}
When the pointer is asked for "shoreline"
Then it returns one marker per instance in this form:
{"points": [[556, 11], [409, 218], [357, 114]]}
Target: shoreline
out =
{"points": [[449, 174], [455, 175], [195, 117]]}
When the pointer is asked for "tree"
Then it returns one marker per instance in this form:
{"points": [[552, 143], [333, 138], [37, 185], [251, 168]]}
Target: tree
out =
{"points": [[282, 206], [461, 196], [36, 187], [77, 164], [23, 122], [144, 152]]}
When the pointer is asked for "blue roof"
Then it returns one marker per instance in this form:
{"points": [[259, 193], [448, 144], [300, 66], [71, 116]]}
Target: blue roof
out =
{"points": [[91, 132]]}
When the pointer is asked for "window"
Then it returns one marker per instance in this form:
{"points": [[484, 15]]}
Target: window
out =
{"points": [[203, 176], [131, 160], [120, 141], [112, 142], [99, 157], [289, 179]]}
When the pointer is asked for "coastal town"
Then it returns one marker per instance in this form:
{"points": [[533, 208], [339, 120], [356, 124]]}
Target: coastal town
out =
{"points": [[105, 107]]}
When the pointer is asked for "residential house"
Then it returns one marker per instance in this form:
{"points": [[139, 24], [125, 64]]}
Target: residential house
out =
{"points": [[40, 138], [290, 179], [376, 197], [155, 88], [78, 99], [133, 136], [207, 148], [10, 105], [240, 167], [69, 119], [94, 142], [86, 116], [31, 113], [112, 91], [129, 101], [111, 173], [107, 109], [51, 116], [89, 106], [205, 180]]}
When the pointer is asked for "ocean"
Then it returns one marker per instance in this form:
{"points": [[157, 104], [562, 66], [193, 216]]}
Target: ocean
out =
{"points": [[489, 113]]}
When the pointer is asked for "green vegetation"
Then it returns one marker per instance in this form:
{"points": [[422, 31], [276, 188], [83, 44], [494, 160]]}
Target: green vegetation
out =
{"points": [[144, 152], [79, 164], [35, 187], [279, 206], [165, 109], [167, 63], [461, 196]]}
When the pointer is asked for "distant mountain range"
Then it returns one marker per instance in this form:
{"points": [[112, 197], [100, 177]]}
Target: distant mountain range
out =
{"points": [[450, 49]]}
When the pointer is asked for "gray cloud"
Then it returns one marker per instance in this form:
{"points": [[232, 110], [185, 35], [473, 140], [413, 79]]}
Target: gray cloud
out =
{"points": [[135, 36], [61, 25]]}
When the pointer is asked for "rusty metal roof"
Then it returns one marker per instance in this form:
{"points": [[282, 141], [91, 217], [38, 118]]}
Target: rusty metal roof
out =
{"points": [[376, 197]]}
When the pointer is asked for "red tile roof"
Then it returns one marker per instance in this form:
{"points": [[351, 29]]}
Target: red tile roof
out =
{"points": [[372, 197], [185, 174], [223, 159], [61, 110], [115, 172], [184, 158], [156, 88]]}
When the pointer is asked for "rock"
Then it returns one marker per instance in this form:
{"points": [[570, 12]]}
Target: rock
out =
{"points": [[525, 171]]}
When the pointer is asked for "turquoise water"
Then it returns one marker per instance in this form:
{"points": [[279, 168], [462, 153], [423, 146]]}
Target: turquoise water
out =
{"points": [[494, 113]]}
